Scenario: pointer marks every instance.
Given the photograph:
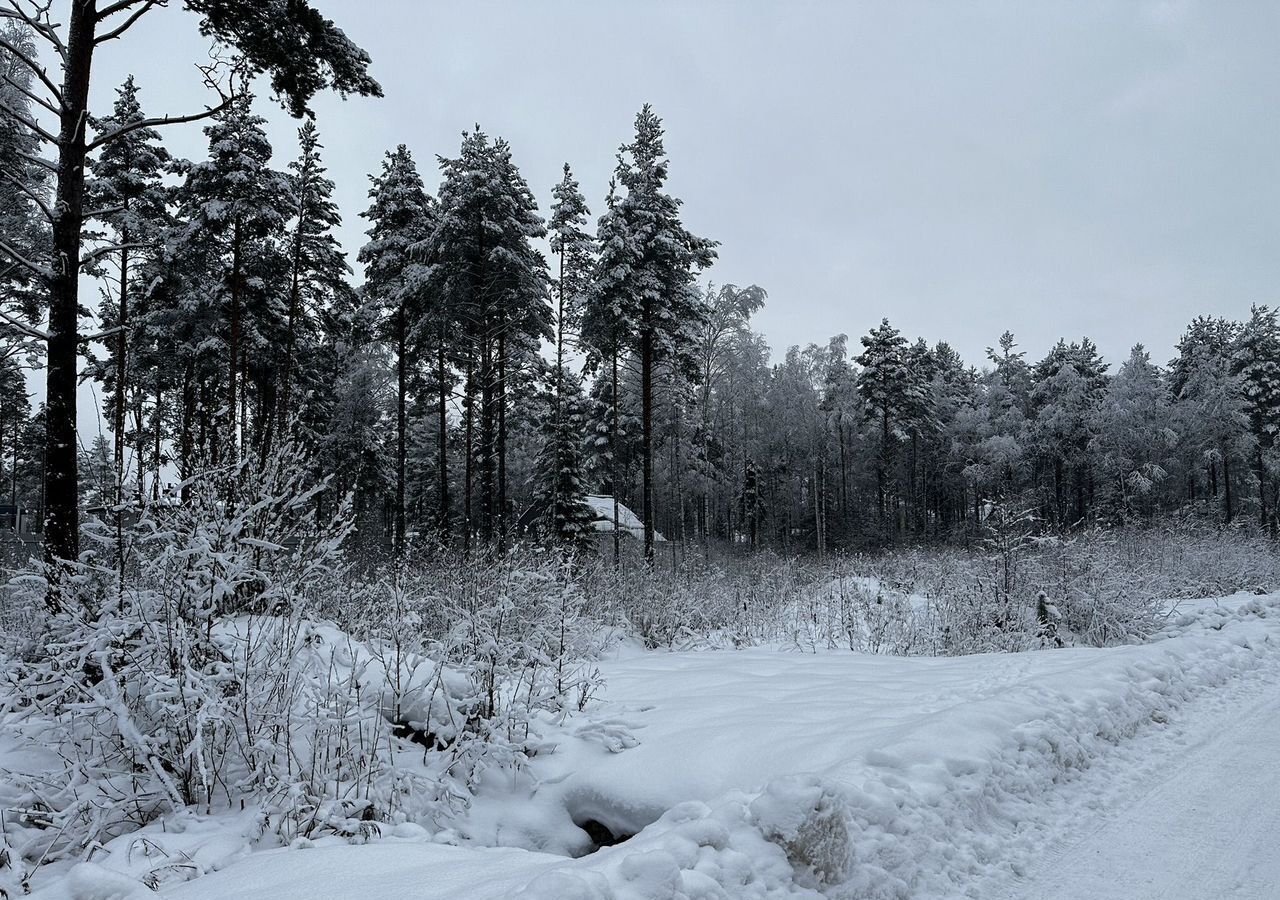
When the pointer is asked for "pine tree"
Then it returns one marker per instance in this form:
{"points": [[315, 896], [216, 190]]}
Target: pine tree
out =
{"points": [[301, 51], [317, 265], [487, 276], [24, 200], [574, 250], [1069, 384], [1257, 361], [402, 216], [15, 411], [1132, 439], [887, 388], [235, 207], [648, 262], [1212, 418], [128, 184]]}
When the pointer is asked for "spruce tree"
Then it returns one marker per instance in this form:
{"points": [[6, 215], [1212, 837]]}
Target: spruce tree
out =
{"points": [[128, 184], [317, 264], [235, 207], [608, 328], [402, 215], [574, 250], [560, 476]]}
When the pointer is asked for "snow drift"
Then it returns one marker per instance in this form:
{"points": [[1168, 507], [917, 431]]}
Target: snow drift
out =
{"points": [[777, 774]]}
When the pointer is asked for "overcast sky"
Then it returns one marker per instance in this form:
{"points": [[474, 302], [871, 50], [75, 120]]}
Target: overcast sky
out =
{"points": [[1055, 169]]}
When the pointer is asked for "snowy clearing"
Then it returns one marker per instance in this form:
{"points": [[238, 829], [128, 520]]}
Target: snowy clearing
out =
{"points": [[764, 773]]}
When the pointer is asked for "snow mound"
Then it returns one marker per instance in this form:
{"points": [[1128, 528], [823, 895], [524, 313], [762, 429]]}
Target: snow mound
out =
{"points": [[763, 774], [874, 777]]}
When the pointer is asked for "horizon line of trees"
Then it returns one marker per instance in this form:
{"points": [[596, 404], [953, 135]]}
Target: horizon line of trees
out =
{"points": [[468, 382]]}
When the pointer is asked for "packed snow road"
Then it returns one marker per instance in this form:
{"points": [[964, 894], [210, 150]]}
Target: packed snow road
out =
{"points": [[1210, 828]]}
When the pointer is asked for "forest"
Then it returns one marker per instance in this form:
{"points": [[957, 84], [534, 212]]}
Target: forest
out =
{"points": [[479, 360], [325, 574]]}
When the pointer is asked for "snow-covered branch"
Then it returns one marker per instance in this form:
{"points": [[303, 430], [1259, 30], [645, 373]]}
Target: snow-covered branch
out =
{"points": [[28, 330], [156, 122], [33, 267], [39, 23], [21, 185], [27, 122], [100, 252]]}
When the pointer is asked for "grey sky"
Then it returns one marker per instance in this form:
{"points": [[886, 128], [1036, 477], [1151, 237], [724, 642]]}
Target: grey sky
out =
{"points": [[1056, 169]]}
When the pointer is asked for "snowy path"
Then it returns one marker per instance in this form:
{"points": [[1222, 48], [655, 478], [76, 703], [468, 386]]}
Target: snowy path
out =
{"points": [[1209, 828]]}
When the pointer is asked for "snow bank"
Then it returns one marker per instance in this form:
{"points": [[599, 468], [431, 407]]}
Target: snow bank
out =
{"points": [[883, 777], [766, 774]]}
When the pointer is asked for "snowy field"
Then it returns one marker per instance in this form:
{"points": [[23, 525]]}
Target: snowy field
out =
{"points": [[770, 773]]}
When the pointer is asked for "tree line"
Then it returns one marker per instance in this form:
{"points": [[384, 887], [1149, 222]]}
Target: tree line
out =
{"points": [[479, 367]]}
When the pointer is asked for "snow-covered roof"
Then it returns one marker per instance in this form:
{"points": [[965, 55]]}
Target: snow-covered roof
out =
{"points": [[602, 506]]}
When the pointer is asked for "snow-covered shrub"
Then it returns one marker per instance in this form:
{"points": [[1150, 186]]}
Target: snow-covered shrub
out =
{"points": [[475, 657], [192, 678]]}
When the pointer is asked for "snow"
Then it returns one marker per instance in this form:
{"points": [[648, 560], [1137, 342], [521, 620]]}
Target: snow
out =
{"points": [[385, 869], [1207, 828], [628, 521], [764, 773]]}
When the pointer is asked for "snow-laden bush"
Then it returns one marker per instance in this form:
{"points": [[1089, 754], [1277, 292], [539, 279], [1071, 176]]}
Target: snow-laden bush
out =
{"points": [[192, 677], [1018, 589], [233, 663]]}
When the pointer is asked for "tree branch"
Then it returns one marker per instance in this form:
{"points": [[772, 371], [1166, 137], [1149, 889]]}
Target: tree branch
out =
{"points": [[27, 122], [28, 330], [154, 123], [104, 211], [110, 248], [128, 23], [37, 69], [99, 335], [43, 28], [26, 189], [29, 94], [34, 268], [39, 161]]}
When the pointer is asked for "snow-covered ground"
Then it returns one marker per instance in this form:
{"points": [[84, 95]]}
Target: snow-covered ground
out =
{"points": [[765, 773]]}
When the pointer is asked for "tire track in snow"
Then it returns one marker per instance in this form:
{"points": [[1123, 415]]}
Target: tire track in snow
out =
{"points": [[1198, 817]]}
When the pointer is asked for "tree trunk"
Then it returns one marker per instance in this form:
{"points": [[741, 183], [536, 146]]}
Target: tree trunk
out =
{"points": [[501, 521], [233, 348], [487, 423], [398, 527], [291, 339], [615, 430], [468, 404], [186, 438], [155, 435], [442, 441], [122, 348], [1229, 506], [61, 478], [646, 427]]}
